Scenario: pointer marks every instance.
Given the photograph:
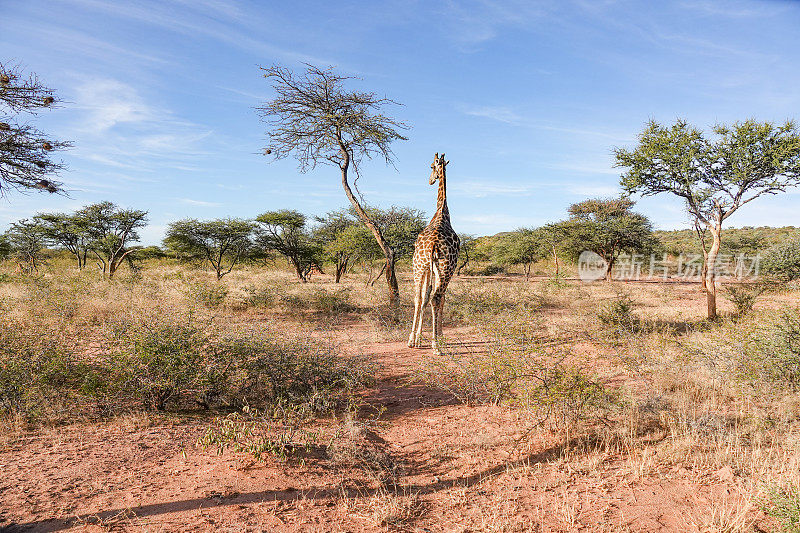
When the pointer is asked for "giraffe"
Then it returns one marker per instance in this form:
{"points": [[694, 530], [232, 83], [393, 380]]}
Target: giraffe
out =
{"points": [[435, 258]]}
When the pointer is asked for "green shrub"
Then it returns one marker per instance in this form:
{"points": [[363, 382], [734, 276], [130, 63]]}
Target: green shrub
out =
{"points": [[210, 295], [267, 371], [783, 504], [771, 351], [744, 296], [260, 436], [782, 261], [488, 270], [332, 303], [157, 360], [39, 376], [554, 391], [618, 315], [512, 368]]}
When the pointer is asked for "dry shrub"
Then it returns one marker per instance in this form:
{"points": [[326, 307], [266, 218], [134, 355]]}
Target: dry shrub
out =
{"points": [[512, 368], [40, 377], [469, 303], [207, 294], [354, 445], [392, 509], [618, 316]]}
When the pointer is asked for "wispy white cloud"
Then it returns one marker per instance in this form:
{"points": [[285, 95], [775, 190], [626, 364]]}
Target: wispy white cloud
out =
{"points": [[589, 189], [508, 115], [199, 203], [482, 189], [109, 102], [119, 128], [193, 19], [474, 22], [498, 113]]}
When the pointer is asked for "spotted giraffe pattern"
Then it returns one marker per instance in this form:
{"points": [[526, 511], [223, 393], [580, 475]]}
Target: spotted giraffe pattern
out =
{"points": [[434, 263]]}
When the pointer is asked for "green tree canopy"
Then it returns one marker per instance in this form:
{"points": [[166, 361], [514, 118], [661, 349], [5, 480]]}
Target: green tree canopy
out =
{"points": [[330, 233], [68, 231], [520, 247], [715, 175], [782, 261], [285, 232], [607, 227], [111, 230], [222, 242], [27, 241]]}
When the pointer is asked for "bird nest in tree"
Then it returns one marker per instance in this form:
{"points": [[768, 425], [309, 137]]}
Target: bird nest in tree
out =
{"points": [[47, 146], [5, 80], [4, 126], [48, 186], [48, 100]]}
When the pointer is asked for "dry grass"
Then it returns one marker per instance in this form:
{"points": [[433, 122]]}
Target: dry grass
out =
{"points": [[685, 401]]}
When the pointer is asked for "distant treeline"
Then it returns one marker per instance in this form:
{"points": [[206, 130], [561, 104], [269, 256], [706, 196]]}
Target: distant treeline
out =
{"points": [[747, 240]]}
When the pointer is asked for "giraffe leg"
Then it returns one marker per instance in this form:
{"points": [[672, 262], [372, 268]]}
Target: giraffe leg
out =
{"points": [[437, 324], [438, 294], [425, 294], [413, 337]]}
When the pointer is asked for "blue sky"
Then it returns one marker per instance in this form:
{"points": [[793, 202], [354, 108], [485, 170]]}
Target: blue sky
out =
{"points": [[527, 99]]}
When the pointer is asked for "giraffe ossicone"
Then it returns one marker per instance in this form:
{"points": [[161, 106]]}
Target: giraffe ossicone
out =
{"points": [[434, 263]]}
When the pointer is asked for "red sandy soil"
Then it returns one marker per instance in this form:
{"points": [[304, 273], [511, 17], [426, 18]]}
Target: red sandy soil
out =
{"points": [[464, 468]]}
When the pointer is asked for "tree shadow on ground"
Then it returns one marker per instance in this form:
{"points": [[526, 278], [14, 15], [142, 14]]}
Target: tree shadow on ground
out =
{"points": [[319, 493]]}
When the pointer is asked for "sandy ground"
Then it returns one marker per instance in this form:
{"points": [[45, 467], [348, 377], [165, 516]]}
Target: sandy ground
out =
{"points": [[462, 468]]}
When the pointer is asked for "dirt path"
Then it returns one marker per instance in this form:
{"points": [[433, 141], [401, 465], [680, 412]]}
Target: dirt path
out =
{"points": [[461, 469]]}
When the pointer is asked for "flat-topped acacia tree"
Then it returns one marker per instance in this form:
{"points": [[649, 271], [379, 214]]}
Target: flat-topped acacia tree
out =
{"points": [[714, 176], [314, 118], [222, 242]]}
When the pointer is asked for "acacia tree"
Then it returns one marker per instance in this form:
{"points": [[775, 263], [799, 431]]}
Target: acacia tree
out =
{"points": [[552, 236], [111, 230], [5, 247], [358, 245], [25, 152], [520, 247], [713, 176], [70, 231], [27, 241], [285, 232], [314, 118], [607, 227], [333, 234], [222, 242], [468, 243]]}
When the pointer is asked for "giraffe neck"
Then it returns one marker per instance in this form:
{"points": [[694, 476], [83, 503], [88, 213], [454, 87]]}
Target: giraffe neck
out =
{"points": [[441, 201]]}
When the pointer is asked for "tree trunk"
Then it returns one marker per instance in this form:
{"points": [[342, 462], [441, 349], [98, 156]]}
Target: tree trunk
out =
{"points": [[341, 267], [555, 258], [299, 271], [711, 268], [609, 267], [391, 278], [112, 268]]}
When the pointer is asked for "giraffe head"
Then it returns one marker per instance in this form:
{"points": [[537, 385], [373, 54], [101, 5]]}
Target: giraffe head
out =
{"points": [[437, 168]]}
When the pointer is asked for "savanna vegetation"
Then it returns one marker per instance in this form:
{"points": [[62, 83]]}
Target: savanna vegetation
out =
{"points": [[252, 363]]}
